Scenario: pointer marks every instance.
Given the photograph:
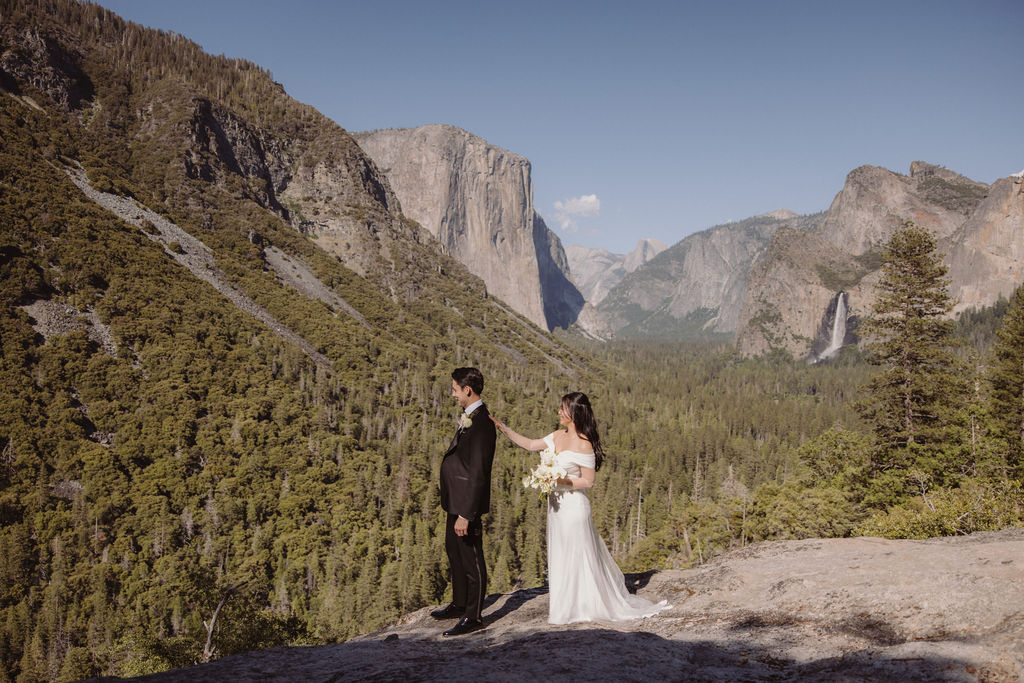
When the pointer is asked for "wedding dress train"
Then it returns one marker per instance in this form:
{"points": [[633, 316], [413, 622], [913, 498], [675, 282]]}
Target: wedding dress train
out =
{"points": [[584, 582]]}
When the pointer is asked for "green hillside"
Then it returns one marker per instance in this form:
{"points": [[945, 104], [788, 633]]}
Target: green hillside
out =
{"points": [[206, 451]]}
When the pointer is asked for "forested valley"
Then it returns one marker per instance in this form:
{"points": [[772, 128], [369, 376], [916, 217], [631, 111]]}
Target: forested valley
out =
{"points": [[166, 457]]}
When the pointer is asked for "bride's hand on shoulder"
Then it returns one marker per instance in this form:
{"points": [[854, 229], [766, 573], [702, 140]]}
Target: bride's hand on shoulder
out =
{"points": [[517, 439], [504, 429], [498, 425]]}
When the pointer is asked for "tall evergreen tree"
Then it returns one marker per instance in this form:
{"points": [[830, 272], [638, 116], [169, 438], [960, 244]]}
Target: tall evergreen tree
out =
{"points": [[1007, 388], [909, 403]]}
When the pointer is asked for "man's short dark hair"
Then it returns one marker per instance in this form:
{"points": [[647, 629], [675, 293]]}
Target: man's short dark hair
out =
{"points": [[469, 377]]}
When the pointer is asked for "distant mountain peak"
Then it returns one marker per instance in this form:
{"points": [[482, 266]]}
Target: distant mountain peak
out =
{"points": [[922, 169], [595, 270], [650, 243], [645, 250], [780, 214]]}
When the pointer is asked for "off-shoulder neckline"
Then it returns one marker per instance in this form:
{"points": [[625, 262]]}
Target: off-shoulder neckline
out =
{"points": [[551, 436]]}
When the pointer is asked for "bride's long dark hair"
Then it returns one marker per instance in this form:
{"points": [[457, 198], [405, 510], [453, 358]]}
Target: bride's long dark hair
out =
{"points": [[577, 405]]}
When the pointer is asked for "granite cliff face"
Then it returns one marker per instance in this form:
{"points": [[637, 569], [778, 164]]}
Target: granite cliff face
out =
{"points": [[477, 200], [345, 203], [792, 290], [563, 302], [321, 182], [980, 229], [875, 201], [695, 287], [596, 271], [986, 253]]}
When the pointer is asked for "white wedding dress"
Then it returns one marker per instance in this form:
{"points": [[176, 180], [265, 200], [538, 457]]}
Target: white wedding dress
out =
{"points": [[584, 582]]}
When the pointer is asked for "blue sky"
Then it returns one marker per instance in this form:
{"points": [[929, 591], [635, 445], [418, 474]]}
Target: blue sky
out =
{"points": [[653, 119]]}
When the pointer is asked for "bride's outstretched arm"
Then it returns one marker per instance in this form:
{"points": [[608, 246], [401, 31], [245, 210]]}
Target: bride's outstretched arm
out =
{"points": [[519, 439]]}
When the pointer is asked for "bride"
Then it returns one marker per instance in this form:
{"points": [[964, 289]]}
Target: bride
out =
{"points": [[585, 583]]}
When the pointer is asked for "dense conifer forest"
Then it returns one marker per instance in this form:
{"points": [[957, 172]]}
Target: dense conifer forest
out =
{"points": [[166, 457]]}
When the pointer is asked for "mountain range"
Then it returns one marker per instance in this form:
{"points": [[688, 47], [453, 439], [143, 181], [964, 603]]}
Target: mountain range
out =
{"points": [[597, 270], [772, 281], [767, 282]]}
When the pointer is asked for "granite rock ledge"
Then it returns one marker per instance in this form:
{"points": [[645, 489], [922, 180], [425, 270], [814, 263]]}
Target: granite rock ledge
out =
{"points": [[945, 609]]}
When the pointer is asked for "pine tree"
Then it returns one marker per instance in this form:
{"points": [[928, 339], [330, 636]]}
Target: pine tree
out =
{"points": [[909, 403], [1007, 388]]}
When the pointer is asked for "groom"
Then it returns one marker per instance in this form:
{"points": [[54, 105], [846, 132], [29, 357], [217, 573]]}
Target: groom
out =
{"points": [[465, 496]]}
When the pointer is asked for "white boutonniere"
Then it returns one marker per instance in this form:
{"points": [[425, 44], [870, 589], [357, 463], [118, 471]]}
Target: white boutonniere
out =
{"points": [[465, 422]]}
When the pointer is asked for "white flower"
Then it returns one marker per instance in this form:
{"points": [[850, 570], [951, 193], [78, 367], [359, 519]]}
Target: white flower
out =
{"points": [[465, 421], [548, 457], [546, 474]]}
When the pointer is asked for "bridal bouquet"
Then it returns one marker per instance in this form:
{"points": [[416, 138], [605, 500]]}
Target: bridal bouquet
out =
{"points": [[545, 475]]}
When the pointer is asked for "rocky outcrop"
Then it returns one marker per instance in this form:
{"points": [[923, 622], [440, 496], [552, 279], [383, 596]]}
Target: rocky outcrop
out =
{"points": [[336, 194], [477, 200], [222, 144], [986, 254], [596, 271], [824, 609], [875, 201], [697, 286], [47, 65], [313, 175]]}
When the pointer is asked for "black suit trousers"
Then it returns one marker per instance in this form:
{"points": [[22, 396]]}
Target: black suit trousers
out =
{"points": [[469, 572]]}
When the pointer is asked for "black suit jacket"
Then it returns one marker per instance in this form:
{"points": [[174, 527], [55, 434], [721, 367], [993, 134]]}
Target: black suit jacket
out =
{"points": [[466, 468]]}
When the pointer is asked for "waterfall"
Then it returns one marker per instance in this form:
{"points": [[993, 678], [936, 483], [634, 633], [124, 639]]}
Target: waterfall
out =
{"points": [[838, 328]]}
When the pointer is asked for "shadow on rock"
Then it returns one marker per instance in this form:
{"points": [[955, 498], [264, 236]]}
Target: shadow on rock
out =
{"points": [[635, 582], [569, 655], [515, 601], [874, 631]]}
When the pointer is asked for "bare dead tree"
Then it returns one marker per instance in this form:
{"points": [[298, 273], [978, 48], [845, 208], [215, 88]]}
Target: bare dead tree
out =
{"points": [[208, 649]]}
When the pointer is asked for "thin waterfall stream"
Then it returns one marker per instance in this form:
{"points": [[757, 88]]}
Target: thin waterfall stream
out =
{"points": [[838, 329]]}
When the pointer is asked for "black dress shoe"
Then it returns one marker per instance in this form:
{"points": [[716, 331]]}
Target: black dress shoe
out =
{"points": [[465, 625], [449, 612]]}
